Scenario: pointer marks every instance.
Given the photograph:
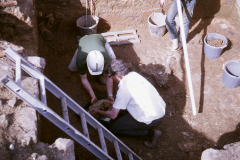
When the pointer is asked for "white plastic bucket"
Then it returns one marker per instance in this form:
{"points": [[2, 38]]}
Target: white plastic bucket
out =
{"points": [[90, 27], [211, 51], [231, 74], [157, 24]]}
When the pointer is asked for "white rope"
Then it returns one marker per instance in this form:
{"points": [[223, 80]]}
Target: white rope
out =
{"points": [[86, 13], [91, 7], [91, 14], [186, 58]]}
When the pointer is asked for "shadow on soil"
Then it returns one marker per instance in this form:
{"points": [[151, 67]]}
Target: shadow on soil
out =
{"points": [[203, 8], [57, 44]]}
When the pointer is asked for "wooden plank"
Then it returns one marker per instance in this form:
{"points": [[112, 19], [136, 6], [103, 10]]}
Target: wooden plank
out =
{"points": [[127, 39]]}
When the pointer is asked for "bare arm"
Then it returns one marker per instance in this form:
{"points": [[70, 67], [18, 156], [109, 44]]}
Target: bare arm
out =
{"points": [[109, 85], [110, 114], [88, 87]]}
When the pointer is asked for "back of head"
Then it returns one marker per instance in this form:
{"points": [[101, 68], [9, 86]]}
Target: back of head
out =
{"points": [[118, 67], [95, 62]]}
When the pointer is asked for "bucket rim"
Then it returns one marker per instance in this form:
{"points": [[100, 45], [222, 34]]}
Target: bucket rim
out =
{"points": [[221, 39], [154, 24], [225, 66], [93, 26]]}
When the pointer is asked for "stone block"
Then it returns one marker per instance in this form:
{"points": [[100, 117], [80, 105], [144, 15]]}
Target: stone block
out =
{"points": [[24, 128], [3, 121], [36, 61], [31, 85], [65, 149], [231, 151], [12, 102]]}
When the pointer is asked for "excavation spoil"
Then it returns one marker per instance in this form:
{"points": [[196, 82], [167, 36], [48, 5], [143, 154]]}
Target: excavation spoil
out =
{"points": [[216, 42]]}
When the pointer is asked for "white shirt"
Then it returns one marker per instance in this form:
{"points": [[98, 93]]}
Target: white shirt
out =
{"points": [[140, 98]]}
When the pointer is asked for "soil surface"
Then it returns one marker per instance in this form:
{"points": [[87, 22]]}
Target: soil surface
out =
{"points": [[215, 42], [184, 136]]}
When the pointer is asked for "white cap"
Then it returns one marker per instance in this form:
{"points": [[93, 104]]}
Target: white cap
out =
{"points": [[95, 62]]}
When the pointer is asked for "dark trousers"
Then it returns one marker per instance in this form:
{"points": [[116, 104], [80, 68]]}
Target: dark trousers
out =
{"points": [[127, 125]]}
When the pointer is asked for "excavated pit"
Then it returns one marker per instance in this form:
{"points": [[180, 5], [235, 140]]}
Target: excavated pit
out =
{"points": [[184, 136]]}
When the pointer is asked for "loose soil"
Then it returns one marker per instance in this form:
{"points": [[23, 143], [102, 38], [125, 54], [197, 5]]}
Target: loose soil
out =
{"points": [[214, 42], [184, 136]]}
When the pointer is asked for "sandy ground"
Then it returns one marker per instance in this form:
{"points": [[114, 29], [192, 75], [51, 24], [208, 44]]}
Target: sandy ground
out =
{"points": [[184, 136]]}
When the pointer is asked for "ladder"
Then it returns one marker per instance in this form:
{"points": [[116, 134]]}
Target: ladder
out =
{"points": [[66, 101]]}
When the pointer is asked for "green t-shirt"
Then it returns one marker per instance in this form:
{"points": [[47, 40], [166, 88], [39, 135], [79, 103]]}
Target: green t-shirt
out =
{"points": [[86, 45]]}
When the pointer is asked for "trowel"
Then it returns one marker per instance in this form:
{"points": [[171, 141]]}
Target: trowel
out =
{"points": [[224, 26]]}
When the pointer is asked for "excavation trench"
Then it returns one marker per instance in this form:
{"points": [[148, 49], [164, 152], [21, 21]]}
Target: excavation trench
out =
{"points": [[184, 136]]}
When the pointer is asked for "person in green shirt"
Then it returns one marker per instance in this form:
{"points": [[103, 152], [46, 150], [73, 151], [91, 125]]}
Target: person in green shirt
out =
{"points": [[93, 53]]}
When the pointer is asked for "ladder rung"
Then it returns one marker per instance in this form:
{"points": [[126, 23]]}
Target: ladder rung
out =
{"points": [[42, 108], [43, 90], [18, 73], [65, 109], [130, 156], [84, 125], [119, 156], [102, 140]]}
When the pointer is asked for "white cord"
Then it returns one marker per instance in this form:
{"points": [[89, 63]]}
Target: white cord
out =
{"points": [[86, 13], [91, 14]]}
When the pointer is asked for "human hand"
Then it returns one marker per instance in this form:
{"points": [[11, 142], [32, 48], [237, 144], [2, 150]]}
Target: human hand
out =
{"points": [[109, 101], [94, 100], [110, 98], [95, 113], [162, 3]]}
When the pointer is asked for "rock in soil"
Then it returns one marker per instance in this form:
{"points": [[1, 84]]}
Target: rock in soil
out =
{"points": [[100, 105]]}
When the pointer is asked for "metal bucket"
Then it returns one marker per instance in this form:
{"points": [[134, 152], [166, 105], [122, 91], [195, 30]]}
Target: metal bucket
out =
{"points": [[231, 74], [211, 51], [88, 24], [157, 24]]}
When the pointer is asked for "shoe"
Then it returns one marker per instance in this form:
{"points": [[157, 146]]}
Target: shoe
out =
{"points": [[177, 48], [151, 143], [174, 44]]}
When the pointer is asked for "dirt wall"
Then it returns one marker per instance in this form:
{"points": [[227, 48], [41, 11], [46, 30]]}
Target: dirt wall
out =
{"points": [[18, 24]]}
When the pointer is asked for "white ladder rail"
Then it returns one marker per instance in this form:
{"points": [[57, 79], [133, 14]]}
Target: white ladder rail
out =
{"points": [[53, 117], [46, 83]]}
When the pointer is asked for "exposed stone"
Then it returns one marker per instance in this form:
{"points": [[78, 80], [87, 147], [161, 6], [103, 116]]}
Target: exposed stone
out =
{"points": [[8, 3], [12, 102], [231, 151], [6, 67], [26, 119], [65, 149], [3, 121], [4, 45], [31, 85], [38, 62]]}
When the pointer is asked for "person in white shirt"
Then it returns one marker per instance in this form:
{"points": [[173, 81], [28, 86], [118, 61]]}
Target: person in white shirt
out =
{"points": [[138, 96]]}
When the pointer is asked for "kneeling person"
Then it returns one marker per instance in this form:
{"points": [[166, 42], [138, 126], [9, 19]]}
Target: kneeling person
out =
{"points": [[145, 106], [93, 53]]}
